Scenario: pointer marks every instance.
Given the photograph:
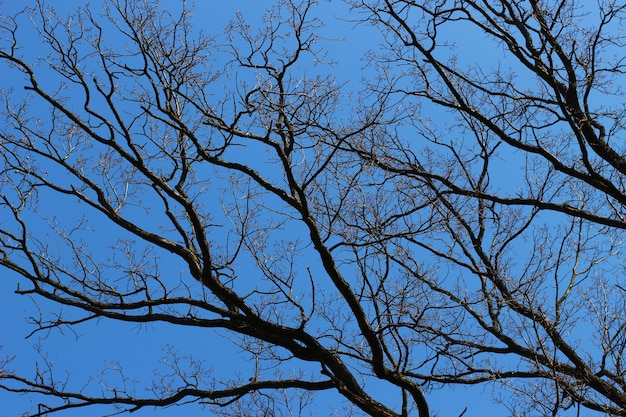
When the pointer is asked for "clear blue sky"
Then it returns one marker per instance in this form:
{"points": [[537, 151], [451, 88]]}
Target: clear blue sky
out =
{"points": [[138, 349]]}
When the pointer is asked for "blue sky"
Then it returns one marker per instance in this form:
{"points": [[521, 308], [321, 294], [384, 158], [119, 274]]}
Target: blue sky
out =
{"points": [[138, 349]]}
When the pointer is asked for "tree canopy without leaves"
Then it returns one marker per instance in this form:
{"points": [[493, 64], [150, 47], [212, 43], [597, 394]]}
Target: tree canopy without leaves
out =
{"points": [[451, 216]]}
